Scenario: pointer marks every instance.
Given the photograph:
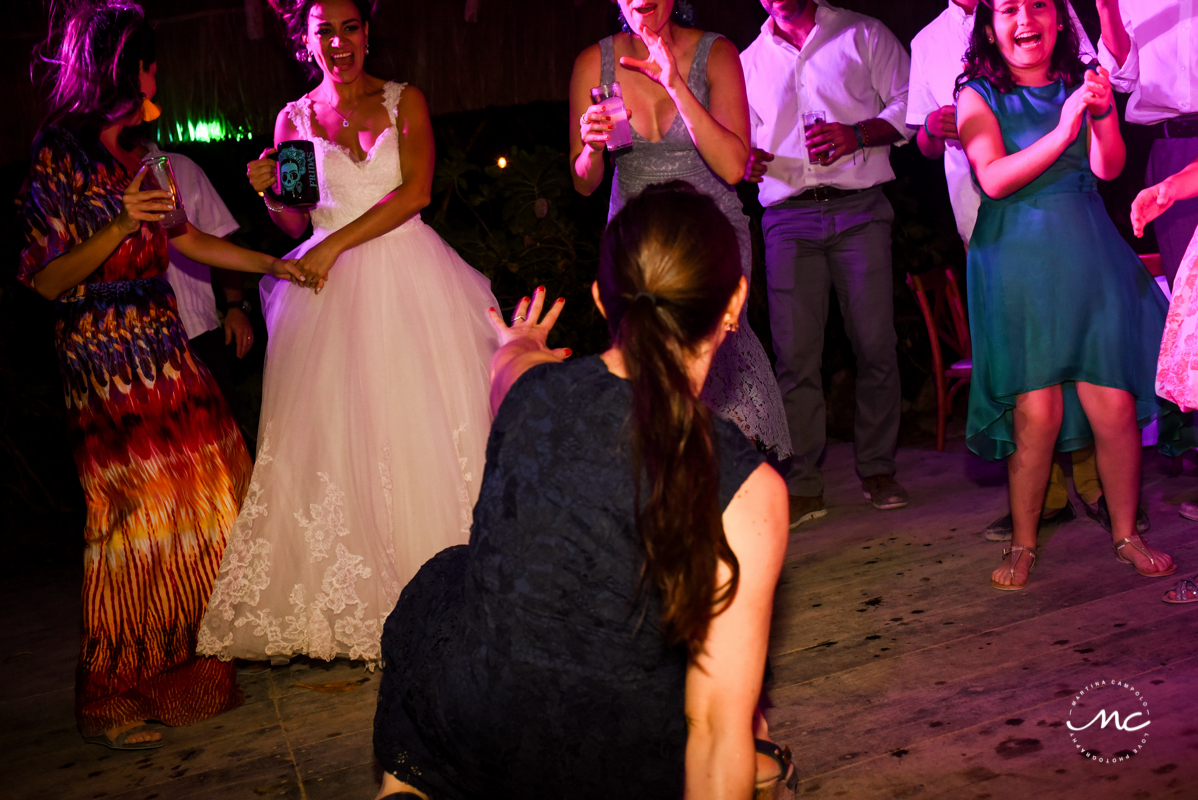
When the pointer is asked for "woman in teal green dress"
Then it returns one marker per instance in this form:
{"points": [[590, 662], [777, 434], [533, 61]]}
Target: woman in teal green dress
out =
{"points": [[1066, 322]]}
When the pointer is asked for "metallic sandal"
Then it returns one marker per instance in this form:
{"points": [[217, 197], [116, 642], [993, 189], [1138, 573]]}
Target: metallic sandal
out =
{"points": [[1014, 587], [1130, 541], [787, 773], [1184, 592]]}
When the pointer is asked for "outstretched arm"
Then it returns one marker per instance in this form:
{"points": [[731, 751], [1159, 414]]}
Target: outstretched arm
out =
{"points": [[1156, 200], [723, 684], [522, 344], [223, 254]]}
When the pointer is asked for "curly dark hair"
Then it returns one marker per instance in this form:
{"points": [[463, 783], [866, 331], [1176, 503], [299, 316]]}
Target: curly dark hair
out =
{"points": [[984, 60], [294, 14], [91, 59]]}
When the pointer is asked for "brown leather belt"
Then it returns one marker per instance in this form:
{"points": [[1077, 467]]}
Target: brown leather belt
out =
{"points": [[821, 194]]}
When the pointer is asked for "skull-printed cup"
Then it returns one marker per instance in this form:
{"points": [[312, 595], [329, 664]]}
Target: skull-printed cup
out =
{"points": [[297, 185]]}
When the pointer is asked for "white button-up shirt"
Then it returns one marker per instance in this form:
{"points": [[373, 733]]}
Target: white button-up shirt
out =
{"points": [[851, 67], [1159, 70], [191, 280], [937, 59]]}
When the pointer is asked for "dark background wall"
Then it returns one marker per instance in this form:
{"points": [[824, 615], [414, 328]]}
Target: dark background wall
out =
{"points": [[228, 58]]}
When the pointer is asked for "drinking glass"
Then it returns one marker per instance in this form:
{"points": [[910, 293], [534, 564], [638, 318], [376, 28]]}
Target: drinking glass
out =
{"points": [[810, 120], [612, 96], [158, 169]]}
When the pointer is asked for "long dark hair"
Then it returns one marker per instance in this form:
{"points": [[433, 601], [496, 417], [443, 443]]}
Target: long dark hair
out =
{"points": [[294, 14], [984, 60], [92, 58], [669, 263]]}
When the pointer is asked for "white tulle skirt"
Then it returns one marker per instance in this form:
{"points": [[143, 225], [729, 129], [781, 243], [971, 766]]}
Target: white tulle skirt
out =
{"points": [[375, 416]]}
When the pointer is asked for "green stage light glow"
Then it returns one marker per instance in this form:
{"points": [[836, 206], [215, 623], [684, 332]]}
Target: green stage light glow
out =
{"points": [[215, 130]]}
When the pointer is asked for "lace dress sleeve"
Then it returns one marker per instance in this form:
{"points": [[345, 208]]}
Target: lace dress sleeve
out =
{"points": [[392, 91], [300, 114]]}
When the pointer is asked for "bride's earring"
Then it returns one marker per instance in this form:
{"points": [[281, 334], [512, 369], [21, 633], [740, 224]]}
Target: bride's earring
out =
{"points": [[368, 48], [303, 55]]}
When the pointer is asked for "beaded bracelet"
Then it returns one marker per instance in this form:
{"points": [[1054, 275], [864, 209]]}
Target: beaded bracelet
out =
{"points": [[1110, 107]]}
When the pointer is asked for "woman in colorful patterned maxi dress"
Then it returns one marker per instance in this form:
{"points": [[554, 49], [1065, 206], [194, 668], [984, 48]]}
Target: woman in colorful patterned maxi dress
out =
{"points": [[161, 460]]}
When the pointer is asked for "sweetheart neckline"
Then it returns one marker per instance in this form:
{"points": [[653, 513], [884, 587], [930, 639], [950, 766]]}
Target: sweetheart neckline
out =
{"points": [[338, 147]]}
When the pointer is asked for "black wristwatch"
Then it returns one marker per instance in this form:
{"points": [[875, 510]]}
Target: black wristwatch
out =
{"points": [[244, 305]]}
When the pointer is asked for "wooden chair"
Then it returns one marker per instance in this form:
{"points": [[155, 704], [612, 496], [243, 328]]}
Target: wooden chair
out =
{"points": [[939, 297], [1152, 261]]}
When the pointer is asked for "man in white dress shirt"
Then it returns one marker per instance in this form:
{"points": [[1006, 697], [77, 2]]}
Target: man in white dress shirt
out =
{"points": [[937, 55], [191, 281], [827, 224], [1151, 50]]}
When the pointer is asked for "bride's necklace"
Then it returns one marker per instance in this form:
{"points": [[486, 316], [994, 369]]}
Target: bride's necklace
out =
{"points": [[344, 117]]}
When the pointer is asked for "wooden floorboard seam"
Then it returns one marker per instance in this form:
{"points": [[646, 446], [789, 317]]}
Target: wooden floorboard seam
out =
{"points": [[275, 696]]}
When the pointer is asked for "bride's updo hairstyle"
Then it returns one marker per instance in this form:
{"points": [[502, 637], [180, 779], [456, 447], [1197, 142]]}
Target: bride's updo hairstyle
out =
{"points": [[294, 14], [669, 264], [92, 59]]}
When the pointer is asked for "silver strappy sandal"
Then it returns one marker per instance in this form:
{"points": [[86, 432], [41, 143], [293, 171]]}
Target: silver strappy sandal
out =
{"points": [[1130, 541], [1019, 550]]}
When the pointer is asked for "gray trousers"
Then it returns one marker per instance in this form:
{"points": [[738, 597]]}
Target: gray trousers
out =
{"points": [[1176, 226], [810, 248]]}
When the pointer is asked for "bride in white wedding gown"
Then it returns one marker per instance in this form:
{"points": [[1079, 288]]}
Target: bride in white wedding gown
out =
{"points": [[375, 407]]}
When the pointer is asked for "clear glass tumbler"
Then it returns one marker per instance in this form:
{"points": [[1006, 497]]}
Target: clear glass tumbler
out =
{"points": [[162, 177], [810, 120], [612, 96]]}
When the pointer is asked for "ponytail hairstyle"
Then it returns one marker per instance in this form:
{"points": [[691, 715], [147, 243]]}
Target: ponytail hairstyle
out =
{"points": [[294, 14], [93, 57], [983, 59], [669, 264]]}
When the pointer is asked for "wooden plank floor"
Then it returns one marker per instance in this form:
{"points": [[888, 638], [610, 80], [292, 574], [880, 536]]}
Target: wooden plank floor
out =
{"points": [[897, 671]]}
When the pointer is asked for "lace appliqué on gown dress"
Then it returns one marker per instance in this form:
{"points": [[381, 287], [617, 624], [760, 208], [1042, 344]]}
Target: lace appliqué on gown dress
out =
{"points": [[1177, 366], [374, 418]]}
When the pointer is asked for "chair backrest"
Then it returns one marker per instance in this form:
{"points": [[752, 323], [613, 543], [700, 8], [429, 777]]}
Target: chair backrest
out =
{"points": [[939, 297], [1152, 262]]}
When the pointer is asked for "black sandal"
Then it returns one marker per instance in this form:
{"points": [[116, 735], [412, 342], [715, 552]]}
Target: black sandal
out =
{"points": [[787, 773]]}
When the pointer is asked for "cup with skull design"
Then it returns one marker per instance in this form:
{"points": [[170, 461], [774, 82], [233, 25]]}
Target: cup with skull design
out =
{"points": [[296, 184]]}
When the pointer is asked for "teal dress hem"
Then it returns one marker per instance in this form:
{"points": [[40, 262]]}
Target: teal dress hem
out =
{"points": [[1056, 295]]}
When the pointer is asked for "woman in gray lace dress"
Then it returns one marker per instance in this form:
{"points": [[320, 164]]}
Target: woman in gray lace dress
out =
{"points": [[685, 96]]}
